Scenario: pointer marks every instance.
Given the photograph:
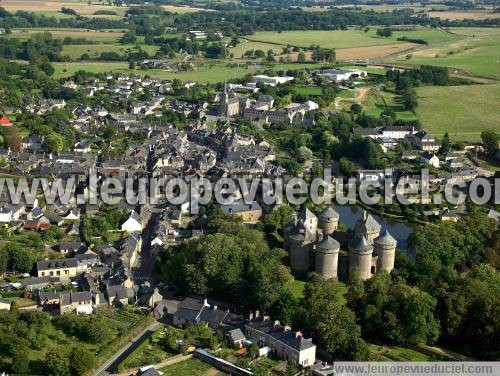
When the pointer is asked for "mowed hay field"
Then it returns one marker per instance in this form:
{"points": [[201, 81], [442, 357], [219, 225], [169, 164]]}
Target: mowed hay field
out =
{"points": [[350, 38], [450, 15], [183, 9], [373, 52], [323, 38], [104, 36], [477, 53], [462, 111], [81, 7]]}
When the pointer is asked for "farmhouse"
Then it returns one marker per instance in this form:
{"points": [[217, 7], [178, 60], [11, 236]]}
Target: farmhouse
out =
{"points": [[272, 81], [197, 34], [342, 75]]}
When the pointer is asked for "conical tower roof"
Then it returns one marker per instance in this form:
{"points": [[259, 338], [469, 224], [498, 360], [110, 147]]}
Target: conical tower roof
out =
{"points": [[328, 213], [386, 239], [328, 243], [360, 244]]}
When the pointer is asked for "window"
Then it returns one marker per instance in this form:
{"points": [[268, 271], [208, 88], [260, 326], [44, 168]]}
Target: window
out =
{"points": [[58, 272]]}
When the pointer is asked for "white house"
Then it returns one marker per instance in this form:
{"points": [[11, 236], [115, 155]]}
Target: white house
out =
{"points": [[133, 223], [5, 214], [430, 159]]}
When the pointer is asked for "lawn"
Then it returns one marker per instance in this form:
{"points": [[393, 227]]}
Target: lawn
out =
{"points": [[298, 289], [476, 54], [462, 111], [308, 90], [190, 367], [374, 106]]}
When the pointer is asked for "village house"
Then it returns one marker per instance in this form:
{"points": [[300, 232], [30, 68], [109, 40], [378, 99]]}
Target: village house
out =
{"points": [[282, 341], [75, 301], [62, 268], [249, 213], [430, 159]]}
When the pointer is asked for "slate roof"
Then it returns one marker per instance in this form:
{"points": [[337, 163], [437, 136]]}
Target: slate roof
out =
{"points": [[56, 264], [386, 239], [70, 297], [360, 244], [288, 337], [328, 213], [328, 243]]}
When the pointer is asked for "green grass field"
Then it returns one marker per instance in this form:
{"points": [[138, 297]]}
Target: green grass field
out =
{"points": [[190, 367], [298, 288], [462, 111], [477, 54], [247, 45], [325, 38], [204, 73], [105, 36], [94, 50], [348, 38]]}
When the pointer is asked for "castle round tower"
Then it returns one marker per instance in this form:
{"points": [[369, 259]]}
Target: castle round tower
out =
{"points": [[368, 227], [385, 248], [328, 221], [300, 248], [327, 257], [360, 256]]}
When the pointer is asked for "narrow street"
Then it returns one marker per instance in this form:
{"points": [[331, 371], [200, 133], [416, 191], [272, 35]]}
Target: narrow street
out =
{"points": [[144, 266]]}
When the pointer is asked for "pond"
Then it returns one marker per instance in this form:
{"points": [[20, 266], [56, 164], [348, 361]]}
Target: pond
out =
{"points": [[349, 215]]}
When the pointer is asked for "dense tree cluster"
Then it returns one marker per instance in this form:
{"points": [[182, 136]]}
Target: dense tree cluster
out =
{"points": [[230, 262], [98, 226], [89, 329], [29, 331], [332, 324], [393, 311], [447, 264]]}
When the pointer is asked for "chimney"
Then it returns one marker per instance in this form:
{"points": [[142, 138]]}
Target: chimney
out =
{"points": [[287, 328], [257, 314], [250, 316], [298, 334], [265, 318], [276, 323], [215, 308]]}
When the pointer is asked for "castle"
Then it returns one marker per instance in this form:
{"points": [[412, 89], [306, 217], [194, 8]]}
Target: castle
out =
{"points": [[311, 246], [262, 110]]}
